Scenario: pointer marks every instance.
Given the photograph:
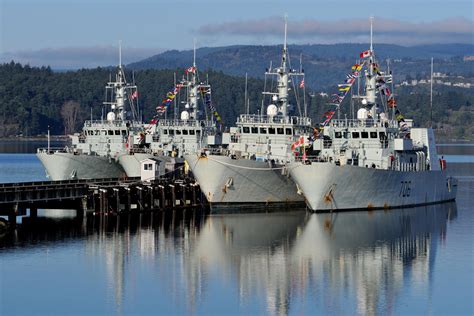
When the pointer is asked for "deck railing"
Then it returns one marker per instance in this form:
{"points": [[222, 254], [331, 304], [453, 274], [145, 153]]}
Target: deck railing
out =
{"points": [[364, 123], [277, 119]]}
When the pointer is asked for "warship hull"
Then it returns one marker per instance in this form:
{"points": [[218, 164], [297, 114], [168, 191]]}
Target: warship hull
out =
{"points": [[131, 163], [67, 166], [242, 184], [328, 187]]}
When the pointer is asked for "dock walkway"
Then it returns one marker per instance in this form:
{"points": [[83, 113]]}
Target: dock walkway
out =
{"points": [[98, 196]]}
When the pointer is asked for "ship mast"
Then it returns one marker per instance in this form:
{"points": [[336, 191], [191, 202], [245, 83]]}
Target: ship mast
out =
{"points": [[370, 83], [193, 88], [118, 92], [282, 84], [282, 73]]}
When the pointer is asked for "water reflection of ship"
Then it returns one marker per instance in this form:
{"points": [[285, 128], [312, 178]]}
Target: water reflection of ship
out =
{"points": [[149, 237], [279, 257], [282, 257]]}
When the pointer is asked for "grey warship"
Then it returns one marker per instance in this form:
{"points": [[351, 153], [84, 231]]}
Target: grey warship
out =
{"points": [[94, 151], [250, 171], [168, 139], [377, 160]]}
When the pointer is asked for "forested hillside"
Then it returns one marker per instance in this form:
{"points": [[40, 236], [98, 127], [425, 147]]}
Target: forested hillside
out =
{"points": [[324, 65], [31, 99]]}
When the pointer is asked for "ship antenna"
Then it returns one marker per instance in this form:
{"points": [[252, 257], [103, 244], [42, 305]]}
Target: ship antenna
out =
{"points": [[246, 97], [120, 54], [284, 43], [431, 94], [194, 53], [286, 30], [371, 33]]}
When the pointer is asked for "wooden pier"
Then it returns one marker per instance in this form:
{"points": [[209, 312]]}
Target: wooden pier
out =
{"points": [[98, 196]]}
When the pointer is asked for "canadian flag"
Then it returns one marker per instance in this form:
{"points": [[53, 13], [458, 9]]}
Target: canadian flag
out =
{"points": [[191, 69], [302, 83], [366, 54]]}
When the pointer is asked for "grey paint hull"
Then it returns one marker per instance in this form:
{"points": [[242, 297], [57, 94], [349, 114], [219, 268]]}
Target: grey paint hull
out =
{"points": [[131, 163], [66, 166], [329, 187], [244, 184]]}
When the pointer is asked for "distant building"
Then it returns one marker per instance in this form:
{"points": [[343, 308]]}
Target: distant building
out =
{"points": [[468, 58], [439, 75]]}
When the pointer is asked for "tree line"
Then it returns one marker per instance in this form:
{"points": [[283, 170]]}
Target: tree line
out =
{"points": [[33, 98]]}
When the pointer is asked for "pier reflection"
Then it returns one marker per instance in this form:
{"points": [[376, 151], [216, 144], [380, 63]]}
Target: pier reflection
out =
{"points": [[339, 263]]}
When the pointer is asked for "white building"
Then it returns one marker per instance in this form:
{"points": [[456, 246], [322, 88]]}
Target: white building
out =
{"points": [[149, 169]]}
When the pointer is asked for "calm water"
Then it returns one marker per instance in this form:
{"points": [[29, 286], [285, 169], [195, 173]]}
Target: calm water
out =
{"points": [[412, 261]]}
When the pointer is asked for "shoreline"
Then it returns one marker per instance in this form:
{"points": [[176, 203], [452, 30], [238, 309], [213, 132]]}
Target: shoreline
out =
{"points": [[36, 138]]}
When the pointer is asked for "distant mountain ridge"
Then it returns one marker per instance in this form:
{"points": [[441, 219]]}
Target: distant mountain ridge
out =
{"points": [[324, 64]]}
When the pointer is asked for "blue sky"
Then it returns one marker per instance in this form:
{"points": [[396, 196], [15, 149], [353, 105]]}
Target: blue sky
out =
{"points": [[72, 33]]}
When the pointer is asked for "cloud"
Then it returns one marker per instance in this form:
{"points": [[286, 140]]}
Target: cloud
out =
{"points": [[452, 30], [78, 57]]}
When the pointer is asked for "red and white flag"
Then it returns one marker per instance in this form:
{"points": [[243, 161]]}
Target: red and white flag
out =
{"points": [[191, 69], [134, 95], [302, 84], [366, 54]]}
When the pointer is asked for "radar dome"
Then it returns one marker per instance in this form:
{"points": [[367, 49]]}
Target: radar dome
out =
{"points": [[111, 116], [185, 115], [186, 106], [272, 110], [362, 114], [274, 98]]}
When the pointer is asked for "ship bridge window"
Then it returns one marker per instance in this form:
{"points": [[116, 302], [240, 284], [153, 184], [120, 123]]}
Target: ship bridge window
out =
{"points": [[254, 130], [271, 130], [90, 133], [365, 134], [288, 131], [382, 135], [178, 132], [280, 131], [191, 132], [171, 131], [124, 132], [165, 131], [97, 132], [103, 133], [117, 132], [345, 135], [246, 129], [185, 132], [337, 135], [263, 130], [373, 134], [355, 134], [110, 132]]}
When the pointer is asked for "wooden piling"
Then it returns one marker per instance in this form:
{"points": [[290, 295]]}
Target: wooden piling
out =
{"points": [[173, 195], [117, 199], [33, 211]]}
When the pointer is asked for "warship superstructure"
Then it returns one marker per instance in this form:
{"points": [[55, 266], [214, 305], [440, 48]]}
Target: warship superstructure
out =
{"points": [[251, 171], [94, 151], [168, 139], [377, 160]]}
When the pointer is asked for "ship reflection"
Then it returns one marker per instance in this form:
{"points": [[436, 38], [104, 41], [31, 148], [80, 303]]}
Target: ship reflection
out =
{"points": [[340, 263], [325, 257]]}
